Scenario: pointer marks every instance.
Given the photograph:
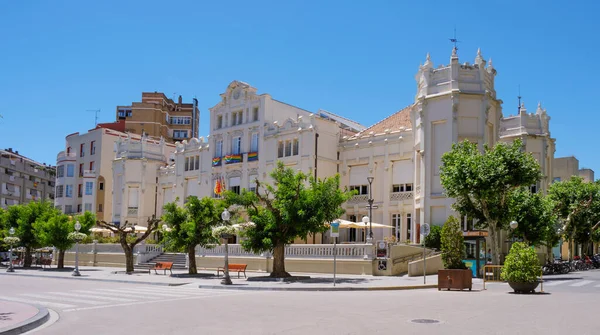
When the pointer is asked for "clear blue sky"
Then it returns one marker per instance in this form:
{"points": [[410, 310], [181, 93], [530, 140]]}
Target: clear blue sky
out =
{"points": [[354, 58]]}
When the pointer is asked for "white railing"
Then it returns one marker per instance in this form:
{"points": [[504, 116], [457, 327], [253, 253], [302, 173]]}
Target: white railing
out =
{"points": [[148, 251], [400, 196], [358, 199], [132, 211], [357, 251], [108, 248]]}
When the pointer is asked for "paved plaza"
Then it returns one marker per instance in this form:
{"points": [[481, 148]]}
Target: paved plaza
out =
{"points": [[111, 307]]}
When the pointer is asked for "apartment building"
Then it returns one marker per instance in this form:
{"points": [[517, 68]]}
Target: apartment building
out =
{"points": [[158, 116], [23, 179], [566, 167]]}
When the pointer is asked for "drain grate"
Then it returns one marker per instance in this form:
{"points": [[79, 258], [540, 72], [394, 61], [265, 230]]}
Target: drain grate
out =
{"points": [[424, 321]]}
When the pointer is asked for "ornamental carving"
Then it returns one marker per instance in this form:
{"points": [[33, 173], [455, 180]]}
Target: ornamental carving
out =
{"points": [[234, 173]]}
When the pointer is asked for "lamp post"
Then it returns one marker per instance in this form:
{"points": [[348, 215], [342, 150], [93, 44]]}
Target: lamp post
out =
{"points": [[76, 271], [365, 220], [370, 180], [11, 231], [227, 280]]}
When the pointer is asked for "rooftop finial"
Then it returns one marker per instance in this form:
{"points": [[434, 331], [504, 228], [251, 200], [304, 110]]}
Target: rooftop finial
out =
{"points": [[427, 61], [478, 52], [479, 59], [454, 54], [539, 109], [490, 62]]}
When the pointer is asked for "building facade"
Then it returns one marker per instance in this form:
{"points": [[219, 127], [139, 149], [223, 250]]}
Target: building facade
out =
{"points": [[567, 167], [158, 116], [23, 180]]}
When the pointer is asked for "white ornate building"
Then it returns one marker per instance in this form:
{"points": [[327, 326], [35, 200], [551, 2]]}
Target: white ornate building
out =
{"points": [[454, 102]]}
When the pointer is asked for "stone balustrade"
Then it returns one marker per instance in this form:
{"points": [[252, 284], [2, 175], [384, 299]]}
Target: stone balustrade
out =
{"points": [[356, 251], [401, 196]]}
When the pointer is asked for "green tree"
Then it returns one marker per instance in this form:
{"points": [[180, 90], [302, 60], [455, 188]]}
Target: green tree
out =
{"points": [[535, 214], [128, 239], [452, 244], [296, 206], [433, 240], [577, 205], [481, 182], [192, 225], [29, 214]]}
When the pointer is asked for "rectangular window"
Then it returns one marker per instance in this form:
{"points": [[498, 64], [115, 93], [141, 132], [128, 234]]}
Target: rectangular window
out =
{"points": [[100, 208], [197, 167], [60, 191], [280, 149], [295, 147], [255, 114], [60, 171], [236, 145], [89, 187], [70, 170], [101, 186], [219, 121], [82, 150], [87, 207], [92, 166], [360, 189], [79, 190], [69, 191], [92, 147], [409, 187], [133, 198], [68, 209], [240, 117], [397, 226], [254, 143], [219, 149], [288, 148], [534, 188], [81, 170], [79, 208], [192, 159], [187, 163], [408, 226], [234, 118], [235, 189]]}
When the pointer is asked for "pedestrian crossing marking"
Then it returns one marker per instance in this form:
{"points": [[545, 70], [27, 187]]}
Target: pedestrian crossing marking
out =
{"points": [[80, 301], [146, 293], [556, 282], [39, 302], [90, 296], [582, 283]]}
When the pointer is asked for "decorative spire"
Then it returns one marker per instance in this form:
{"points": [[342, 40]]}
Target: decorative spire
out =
{"points": [[428, 61], [479, 59], [454, 54], [523, 110], [539, 110]]}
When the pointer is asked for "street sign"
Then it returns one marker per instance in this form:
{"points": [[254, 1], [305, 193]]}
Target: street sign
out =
{"points": [[425, 229], [335, 229]]}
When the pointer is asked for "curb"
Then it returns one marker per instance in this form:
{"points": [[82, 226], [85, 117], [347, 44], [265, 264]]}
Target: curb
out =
{"points": [[96, 279], [40, 318], [382, 288]]}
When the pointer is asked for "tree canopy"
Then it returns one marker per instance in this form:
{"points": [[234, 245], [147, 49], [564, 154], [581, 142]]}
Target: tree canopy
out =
{"points": [[481, 182], [297, 205]]}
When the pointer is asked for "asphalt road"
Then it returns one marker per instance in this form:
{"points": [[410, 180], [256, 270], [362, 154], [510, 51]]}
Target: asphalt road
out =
{"points": [[114, 308], [587, 282]]}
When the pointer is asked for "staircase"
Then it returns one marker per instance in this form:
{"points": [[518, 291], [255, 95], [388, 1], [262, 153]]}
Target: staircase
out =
{"points": [[178, 260]]}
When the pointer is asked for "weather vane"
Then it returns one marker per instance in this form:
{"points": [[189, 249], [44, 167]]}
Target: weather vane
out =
{"points": [[454, 40]]}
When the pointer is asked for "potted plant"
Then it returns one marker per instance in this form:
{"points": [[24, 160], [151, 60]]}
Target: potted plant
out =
{"points": [[521, 268], [455, 275]]}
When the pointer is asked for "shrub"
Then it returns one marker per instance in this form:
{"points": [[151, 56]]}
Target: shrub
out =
{"points": [[521, 264], [434, 239], [452, 244]]}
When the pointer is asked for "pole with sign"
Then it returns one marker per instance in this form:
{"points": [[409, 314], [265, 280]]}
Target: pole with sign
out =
{"points": [[424, 231], [335, 233]]}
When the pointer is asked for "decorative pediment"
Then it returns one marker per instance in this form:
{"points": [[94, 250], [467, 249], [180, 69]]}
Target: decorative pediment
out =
{"points": [[234, 173]]}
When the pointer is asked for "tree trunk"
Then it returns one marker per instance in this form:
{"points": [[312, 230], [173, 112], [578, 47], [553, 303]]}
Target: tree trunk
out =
{"points": [[192, 260], [128, 259], [27, 260], [494, 239], [549, 255], [279, 262], [61, 259]]}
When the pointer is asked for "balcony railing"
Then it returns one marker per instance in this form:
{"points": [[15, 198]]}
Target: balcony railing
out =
{"points": [[357, 199], [89, 173], [132, 211], [401, 196], [233, 158], [63, 155]]}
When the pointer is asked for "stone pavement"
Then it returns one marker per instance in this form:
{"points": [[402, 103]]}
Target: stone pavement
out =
{"points": [[17, 318], [208, 279]]}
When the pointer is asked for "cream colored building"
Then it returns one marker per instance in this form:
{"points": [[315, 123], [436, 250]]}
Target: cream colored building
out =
{"points": [[566, 167]]}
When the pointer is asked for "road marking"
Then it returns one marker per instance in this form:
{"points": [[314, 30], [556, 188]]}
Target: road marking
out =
{"points": [[582, 283], [144, 293], [556, 282], [38, 302], [91, 296], [123, 294], [42, 296], [150, 302]]}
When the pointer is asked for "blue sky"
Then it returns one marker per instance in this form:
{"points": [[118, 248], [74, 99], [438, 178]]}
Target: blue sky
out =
{"points": [[354, 58]]}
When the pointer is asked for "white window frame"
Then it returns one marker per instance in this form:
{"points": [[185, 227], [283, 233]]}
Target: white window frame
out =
{"points": [[254, 142], [219, 148], [89, 188], [236, 145]]}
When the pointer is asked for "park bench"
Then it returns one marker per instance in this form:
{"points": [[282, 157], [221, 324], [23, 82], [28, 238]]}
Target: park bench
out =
{"points": [[162, 266], [234, 267]]}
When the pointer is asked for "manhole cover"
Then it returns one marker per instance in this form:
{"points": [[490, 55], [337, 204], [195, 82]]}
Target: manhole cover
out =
{"points": [[424, 321]]}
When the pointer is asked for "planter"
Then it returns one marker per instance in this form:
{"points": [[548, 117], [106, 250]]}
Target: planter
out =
{"points": [[455, 279], [524, 287]]}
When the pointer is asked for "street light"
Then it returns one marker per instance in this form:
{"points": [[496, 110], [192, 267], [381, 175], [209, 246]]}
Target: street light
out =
{"points": [[11, 231], [227, 280], [370, 180], [76, 271], [365, 220]]}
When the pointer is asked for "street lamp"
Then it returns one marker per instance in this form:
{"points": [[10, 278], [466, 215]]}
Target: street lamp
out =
{"points": [[365, 220], [76, 271], [11, 232], [227, 280], [370, 180]]}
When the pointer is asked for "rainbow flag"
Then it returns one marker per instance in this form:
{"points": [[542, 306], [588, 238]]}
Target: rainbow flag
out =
{"points": [[252, 156], [233, 159], [216, 161]]}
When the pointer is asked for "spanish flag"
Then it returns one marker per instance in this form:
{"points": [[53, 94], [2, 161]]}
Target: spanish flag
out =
{"points": [[218, 188]]}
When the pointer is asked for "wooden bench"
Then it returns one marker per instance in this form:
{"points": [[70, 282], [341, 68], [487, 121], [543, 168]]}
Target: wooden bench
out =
{"points": [[162, 266], [234, 267]]}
